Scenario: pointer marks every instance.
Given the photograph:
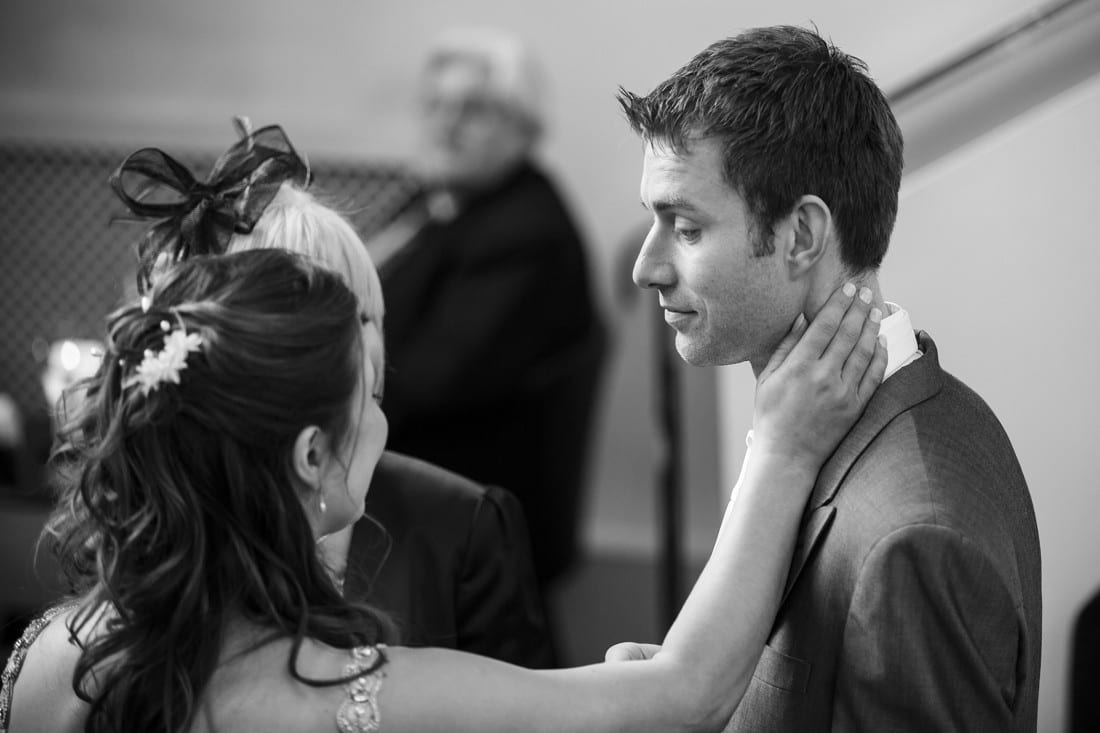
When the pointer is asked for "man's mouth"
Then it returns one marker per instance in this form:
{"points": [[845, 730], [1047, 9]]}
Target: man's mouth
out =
{"points": [[677, 318]]}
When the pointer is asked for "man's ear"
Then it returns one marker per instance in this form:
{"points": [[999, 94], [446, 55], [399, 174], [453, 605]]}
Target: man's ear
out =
{"points": [[309, 456], [808, 235]]}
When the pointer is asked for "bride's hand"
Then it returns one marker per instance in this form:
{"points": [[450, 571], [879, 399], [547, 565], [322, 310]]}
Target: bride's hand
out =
{"points": [[819, 380]]}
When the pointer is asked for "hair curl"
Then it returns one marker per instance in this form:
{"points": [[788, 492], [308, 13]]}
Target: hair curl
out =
{"points": [[179, 510], [795, 116]]}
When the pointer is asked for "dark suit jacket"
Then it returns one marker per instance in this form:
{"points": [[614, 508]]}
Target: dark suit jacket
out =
{"points": [[1084, 691], [913, 602], [494, 346], [453, 566]]}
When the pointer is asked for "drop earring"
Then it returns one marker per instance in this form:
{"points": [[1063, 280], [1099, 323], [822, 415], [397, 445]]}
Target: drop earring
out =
{"points": [[322, 505]]}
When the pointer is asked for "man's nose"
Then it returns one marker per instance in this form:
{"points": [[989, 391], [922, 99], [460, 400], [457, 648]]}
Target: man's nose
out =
{"points": [[652, 268]]}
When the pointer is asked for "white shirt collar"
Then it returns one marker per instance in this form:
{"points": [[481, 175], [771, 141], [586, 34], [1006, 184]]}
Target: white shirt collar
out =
{"points": [[901, 342]]}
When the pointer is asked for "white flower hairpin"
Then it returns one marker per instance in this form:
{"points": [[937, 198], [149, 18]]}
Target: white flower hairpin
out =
{"points": [[165, 365]]}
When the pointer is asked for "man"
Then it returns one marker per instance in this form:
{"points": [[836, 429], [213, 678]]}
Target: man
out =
{"points": [[772, 166], [491, 329]]}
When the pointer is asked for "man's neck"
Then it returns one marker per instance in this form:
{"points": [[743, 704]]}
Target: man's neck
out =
{"points": [[866, 280], [815, 302]]}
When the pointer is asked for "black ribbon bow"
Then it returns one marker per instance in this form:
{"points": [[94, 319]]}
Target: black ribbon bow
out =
{"points": [[199, 217]]}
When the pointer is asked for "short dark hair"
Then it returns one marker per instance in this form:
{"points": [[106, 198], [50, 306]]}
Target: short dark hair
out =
{"points": [[795, 115]]}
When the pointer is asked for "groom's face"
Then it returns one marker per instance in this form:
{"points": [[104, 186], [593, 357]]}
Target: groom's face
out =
{"points": [[726, 303]]}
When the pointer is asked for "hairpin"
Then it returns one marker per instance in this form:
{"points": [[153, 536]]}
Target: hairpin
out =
{"points": [[165, 365]]}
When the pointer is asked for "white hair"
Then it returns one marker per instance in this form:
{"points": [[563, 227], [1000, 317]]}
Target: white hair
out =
{"points": [[296, 221], [514, 76]]}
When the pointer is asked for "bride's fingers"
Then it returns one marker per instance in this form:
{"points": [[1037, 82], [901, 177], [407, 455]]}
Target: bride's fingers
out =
{"points": [[876, 370], [785, 346], [629, 651], [848, 333], [860, 355], [824, 325]]}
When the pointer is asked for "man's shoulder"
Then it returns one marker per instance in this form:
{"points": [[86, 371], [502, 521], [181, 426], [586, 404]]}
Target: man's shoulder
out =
{"points": [[951, 435], [940, 407], [407, 489], [399, 477], [943, 462], [958, 425]]}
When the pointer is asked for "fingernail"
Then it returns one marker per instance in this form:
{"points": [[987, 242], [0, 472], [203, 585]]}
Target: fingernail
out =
{"points": [[876, 315], [849, 289], [800, 322], [865, 295], [882, 341]]}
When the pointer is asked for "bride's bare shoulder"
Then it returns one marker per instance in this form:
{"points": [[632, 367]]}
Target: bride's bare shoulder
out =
{"points": [[256, 690], [42, 691]]}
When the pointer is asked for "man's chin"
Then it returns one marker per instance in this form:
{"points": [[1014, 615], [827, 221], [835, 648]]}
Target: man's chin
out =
{"points": [[691, 352], [698, 354]]}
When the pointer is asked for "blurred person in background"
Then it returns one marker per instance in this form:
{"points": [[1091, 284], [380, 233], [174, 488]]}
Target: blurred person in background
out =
{"points": [[494, 339], [1084, 703]]}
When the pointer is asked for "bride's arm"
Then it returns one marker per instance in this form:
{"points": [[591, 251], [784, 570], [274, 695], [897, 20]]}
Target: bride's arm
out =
{"points": [[807, 398]]}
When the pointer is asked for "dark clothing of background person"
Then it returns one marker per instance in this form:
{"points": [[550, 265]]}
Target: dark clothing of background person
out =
{"points": [[453, 566], [1084, 691], [494, 345]]}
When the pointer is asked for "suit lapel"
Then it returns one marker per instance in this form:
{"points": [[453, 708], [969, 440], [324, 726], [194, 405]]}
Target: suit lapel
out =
{"points": [[813, 528], [908, 387]]}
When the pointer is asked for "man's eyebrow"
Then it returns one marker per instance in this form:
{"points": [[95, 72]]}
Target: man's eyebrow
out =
{"points": [[673, 202]]}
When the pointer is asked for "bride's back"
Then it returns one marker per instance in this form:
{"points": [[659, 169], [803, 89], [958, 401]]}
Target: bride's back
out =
{"points": [[251, 689]]}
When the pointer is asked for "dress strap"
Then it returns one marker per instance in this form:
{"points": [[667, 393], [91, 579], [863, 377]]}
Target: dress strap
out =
{"points": [[19, 655], [359, 712]]}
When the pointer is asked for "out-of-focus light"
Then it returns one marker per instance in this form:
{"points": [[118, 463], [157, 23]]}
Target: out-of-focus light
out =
{"points": [[69, 361], [70, 356]]}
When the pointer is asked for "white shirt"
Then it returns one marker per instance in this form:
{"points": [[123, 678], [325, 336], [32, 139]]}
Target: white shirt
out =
{"points": [[901, 342], [901, 350]]}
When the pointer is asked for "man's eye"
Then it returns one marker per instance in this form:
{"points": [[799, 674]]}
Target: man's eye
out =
{"points": [[687, 234]]}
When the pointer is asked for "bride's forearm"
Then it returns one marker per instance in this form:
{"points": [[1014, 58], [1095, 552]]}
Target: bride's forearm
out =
{"points": [[694, 684], [719, 634]]}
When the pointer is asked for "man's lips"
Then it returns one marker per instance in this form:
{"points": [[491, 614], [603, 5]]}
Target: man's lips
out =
{"points": [[676, 317]]}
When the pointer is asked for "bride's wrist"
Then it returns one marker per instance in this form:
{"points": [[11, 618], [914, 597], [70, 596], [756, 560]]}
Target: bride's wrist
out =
{"points": [[783, 453], [777, 470]]}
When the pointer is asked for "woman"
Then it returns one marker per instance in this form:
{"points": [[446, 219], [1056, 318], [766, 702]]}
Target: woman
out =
{"points": [[209, 462]]}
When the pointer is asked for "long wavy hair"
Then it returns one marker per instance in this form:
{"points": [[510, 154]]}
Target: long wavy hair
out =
{"points": [[180, 510]]}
